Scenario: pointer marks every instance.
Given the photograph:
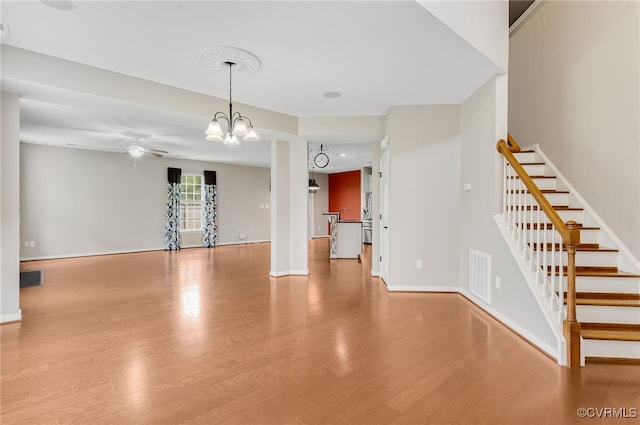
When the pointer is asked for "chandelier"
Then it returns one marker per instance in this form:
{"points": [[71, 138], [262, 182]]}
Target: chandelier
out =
{"points": [[237, 125]]}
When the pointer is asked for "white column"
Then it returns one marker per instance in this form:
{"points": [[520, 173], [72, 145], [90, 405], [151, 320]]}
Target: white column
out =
{"points": [[279, 208], [10, 210], [299, 188], [375, 211], [288, 208]]}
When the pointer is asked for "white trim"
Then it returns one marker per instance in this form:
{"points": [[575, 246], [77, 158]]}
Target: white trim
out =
{"points": [[8, 318], [242, 242], [289, 273], [375, 274], [633, 261], [523, 18], [93, 254], [130, 251], [422, 288]]}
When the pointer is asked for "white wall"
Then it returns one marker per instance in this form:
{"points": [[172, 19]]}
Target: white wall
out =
{"points": [[318, 204], [481, 166], [81, 202], [424, 144], [574, 89], [483, 24], [9, 207]]}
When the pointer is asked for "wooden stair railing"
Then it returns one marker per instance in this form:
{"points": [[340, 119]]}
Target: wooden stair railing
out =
{"points": [[569, 233]]}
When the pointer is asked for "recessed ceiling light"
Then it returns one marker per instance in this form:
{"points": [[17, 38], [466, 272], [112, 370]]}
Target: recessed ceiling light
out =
{"points": [[332, 94], [343, 155], [65, 5]]}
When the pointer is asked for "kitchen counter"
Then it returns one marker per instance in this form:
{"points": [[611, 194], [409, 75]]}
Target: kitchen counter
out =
{"points": [[346, 237]]}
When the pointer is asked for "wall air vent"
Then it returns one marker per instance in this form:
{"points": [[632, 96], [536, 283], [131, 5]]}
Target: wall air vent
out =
{"points": [[480, 275]]}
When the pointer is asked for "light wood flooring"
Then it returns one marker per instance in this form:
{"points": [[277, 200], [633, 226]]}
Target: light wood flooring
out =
{"points": [[205, 336]]}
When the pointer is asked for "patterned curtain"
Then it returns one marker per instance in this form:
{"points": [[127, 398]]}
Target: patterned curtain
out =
{"points": [[172, 219], [209, 210]]}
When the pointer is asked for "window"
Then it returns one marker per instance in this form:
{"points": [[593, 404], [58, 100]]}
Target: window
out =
{"points": [[191, 202]]}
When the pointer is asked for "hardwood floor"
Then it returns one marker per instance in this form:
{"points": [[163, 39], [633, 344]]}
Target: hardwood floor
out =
{"points": [[205, 336]]}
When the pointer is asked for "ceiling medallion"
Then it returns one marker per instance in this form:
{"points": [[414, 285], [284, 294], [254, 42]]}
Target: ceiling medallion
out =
{"points": [[219, 57]]}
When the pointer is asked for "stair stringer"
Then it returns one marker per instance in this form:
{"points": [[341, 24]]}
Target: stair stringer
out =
{"points": [[626, 260], [537, 290]]}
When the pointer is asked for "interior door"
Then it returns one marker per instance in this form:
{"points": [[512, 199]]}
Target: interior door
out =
{"points": [[384, 217]]}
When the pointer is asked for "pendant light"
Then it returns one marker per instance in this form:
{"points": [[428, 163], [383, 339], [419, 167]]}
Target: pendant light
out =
{"points": [[237, 125]]}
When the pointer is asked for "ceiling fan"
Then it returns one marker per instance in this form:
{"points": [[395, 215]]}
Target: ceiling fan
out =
{"points": [[136, 146]]}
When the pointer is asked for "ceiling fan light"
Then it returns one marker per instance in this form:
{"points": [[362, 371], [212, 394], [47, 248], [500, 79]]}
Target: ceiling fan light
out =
{"points": [[214, 128], [136, 151], [214, 138], [251, 135], [240, 127]]}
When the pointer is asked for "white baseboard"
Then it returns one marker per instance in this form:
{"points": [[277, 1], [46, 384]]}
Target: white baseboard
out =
{"points": [[289, 273], [8, 318], [91, 254], [242, 242], [129, 251], [422, 288]]}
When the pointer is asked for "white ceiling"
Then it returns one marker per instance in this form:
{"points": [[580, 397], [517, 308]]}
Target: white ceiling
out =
{"points": [[376, 53]]}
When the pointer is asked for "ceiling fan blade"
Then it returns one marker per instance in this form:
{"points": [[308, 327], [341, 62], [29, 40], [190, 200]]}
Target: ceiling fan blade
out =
{"points": [[157, 155], [155, 151]]}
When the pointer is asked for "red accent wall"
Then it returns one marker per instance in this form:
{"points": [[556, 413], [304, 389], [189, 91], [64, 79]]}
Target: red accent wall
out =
{"points": [[344, 192]]}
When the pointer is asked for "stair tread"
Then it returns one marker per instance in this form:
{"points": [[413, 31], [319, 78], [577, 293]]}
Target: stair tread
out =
{"points": [[608, 295], [549, 226], [555, 207], [609, 300], [611, 335], [606, 299], [597, 271], [534, 177], [607, 303], [582, 247], [610, 326], [541, 190]]}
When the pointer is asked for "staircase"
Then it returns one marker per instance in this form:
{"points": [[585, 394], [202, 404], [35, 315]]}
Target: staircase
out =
{"points": [[607, 298]]}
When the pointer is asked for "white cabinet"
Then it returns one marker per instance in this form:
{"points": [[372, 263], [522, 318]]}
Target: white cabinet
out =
{"points": [[349, 239]]}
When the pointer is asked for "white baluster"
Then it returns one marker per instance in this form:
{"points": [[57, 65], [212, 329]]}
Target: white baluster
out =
{"points": [[538, 241], [543, 248], [505, 183], [532, 236], [521, 212], [511, 200], [553, 266], [560, 284], [523, 228]]}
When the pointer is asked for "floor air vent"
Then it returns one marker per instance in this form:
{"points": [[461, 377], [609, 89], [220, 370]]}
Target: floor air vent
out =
{"points": [[480, 275], [30, 278]]}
